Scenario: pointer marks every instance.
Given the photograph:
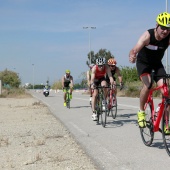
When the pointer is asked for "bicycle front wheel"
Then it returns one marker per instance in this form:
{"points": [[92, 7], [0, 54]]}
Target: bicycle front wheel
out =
{"points": [[103, 111], [147, 133], [166, 129], [113, 109]]}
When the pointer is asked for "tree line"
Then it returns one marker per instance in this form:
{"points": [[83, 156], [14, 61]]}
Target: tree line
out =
{"points": [[11, 78]]}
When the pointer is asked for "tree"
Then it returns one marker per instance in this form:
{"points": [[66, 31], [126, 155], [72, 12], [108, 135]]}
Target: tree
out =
{"points": [[129, 74], [101, 53], [57, 85], [83, 78], [10, 78]]}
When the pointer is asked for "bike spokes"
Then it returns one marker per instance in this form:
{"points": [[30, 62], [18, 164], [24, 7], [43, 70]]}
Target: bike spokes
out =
{"points": [[147, 133], [166, 129]]}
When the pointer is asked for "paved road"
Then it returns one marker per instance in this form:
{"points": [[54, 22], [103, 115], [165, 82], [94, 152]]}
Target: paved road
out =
{"points": [[116, 147]]}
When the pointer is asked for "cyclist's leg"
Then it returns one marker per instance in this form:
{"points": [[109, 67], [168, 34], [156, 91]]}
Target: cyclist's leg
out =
{"points": [[159, 71], [144, 73], [104, 83], [71, 90], [95, 93], [64, 91], [94, 114]]}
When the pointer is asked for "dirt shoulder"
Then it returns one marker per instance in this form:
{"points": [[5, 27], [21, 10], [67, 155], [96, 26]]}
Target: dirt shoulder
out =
{"points": [[31, 138]]}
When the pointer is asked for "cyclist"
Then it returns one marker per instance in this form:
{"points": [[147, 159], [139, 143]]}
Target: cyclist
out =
{"points": [[149, 52], [98, 78], [67, 81], [89, 79], [114, 70]]}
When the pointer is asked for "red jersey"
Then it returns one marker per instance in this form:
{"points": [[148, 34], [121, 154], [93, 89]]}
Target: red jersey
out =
{"points": [[100, 74]]}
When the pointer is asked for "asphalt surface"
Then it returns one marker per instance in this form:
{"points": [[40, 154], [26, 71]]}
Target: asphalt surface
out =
{"points": [[118, 146]]}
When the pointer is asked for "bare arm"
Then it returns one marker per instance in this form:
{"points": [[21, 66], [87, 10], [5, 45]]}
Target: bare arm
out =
{"points": [[119, 75], [93, 74], [109, 75], [143, 41], [88, 78], [62, 81], [71, 81]]}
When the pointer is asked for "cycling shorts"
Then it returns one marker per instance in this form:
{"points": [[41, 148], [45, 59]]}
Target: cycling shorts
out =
{"points": [[144, 68], [108, 80], [97, 82]]}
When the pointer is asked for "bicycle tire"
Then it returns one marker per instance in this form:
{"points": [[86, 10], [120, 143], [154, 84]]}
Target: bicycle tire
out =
{"points": [[165, 122], [68, 100], [103, 112], [113, 109], [147, 133]]}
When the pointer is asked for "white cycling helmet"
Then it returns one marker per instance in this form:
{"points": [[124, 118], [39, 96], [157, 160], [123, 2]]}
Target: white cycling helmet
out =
{"points": [[100, 61]]}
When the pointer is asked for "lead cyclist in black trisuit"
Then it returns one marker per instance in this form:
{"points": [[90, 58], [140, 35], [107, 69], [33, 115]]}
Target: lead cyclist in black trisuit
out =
{"points": [[149, 52]]}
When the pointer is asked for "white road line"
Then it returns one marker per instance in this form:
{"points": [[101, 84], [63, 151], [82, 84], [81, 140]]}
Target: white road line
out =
{"points": [[79, 129]]}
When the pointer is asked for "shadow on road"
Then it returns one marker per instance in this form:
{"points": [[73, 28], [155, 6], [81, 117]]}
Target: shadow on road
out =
{"points": [[80, 107], [121, 120]]}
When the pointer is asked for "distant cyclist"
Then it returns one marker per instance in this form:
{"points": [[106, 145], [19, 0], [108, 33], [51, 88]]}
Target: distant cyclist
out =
{"points": [[98, 78], [67, 82], [114, 70], [89, 79], [148, 53]]}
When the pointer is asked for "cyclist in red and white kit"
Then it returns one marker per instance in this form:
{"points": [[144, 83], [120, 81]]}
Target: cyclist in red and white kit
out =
{"points": [[98, 78]]}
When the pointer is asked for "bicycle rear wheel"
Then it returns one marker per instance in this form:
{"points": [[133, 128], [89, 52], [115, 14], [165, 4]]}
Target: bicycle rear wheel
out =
{"points": [[113, 109], [147, 133], [166, 125]]}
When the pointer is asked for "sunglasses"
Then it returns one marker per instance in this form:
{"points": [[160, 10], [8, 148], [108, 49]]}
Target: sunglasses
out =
{"points": [[112, 65], [100, 66], [164, 28]]}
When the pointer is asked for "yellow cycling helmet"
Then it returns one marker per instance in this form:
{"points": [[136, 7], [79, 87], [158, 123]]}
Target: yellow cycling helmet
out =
{"points": [[163, 19], [67, 71]]}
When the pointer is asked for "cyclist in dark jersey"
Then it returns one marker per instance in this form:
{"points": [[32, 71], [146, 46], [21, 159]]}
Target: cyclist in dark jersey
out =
{"points": [[67, 81], [114, 70], [149, 52]]}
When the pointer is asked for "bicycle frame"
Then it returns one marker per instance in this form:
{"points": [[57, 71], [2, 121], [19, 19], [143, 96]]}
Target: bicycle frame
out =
{"points": [[156, 121]]}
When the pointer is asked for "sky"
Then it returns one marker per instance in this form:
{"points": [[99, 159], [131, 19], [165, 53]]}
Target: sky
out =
{"points": [[40, 39]]}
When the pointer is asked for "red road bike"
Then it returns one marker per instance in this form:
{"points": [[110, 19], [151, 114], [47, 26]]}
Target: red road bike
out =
{"points": [[112, 102], [153, 119]]}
